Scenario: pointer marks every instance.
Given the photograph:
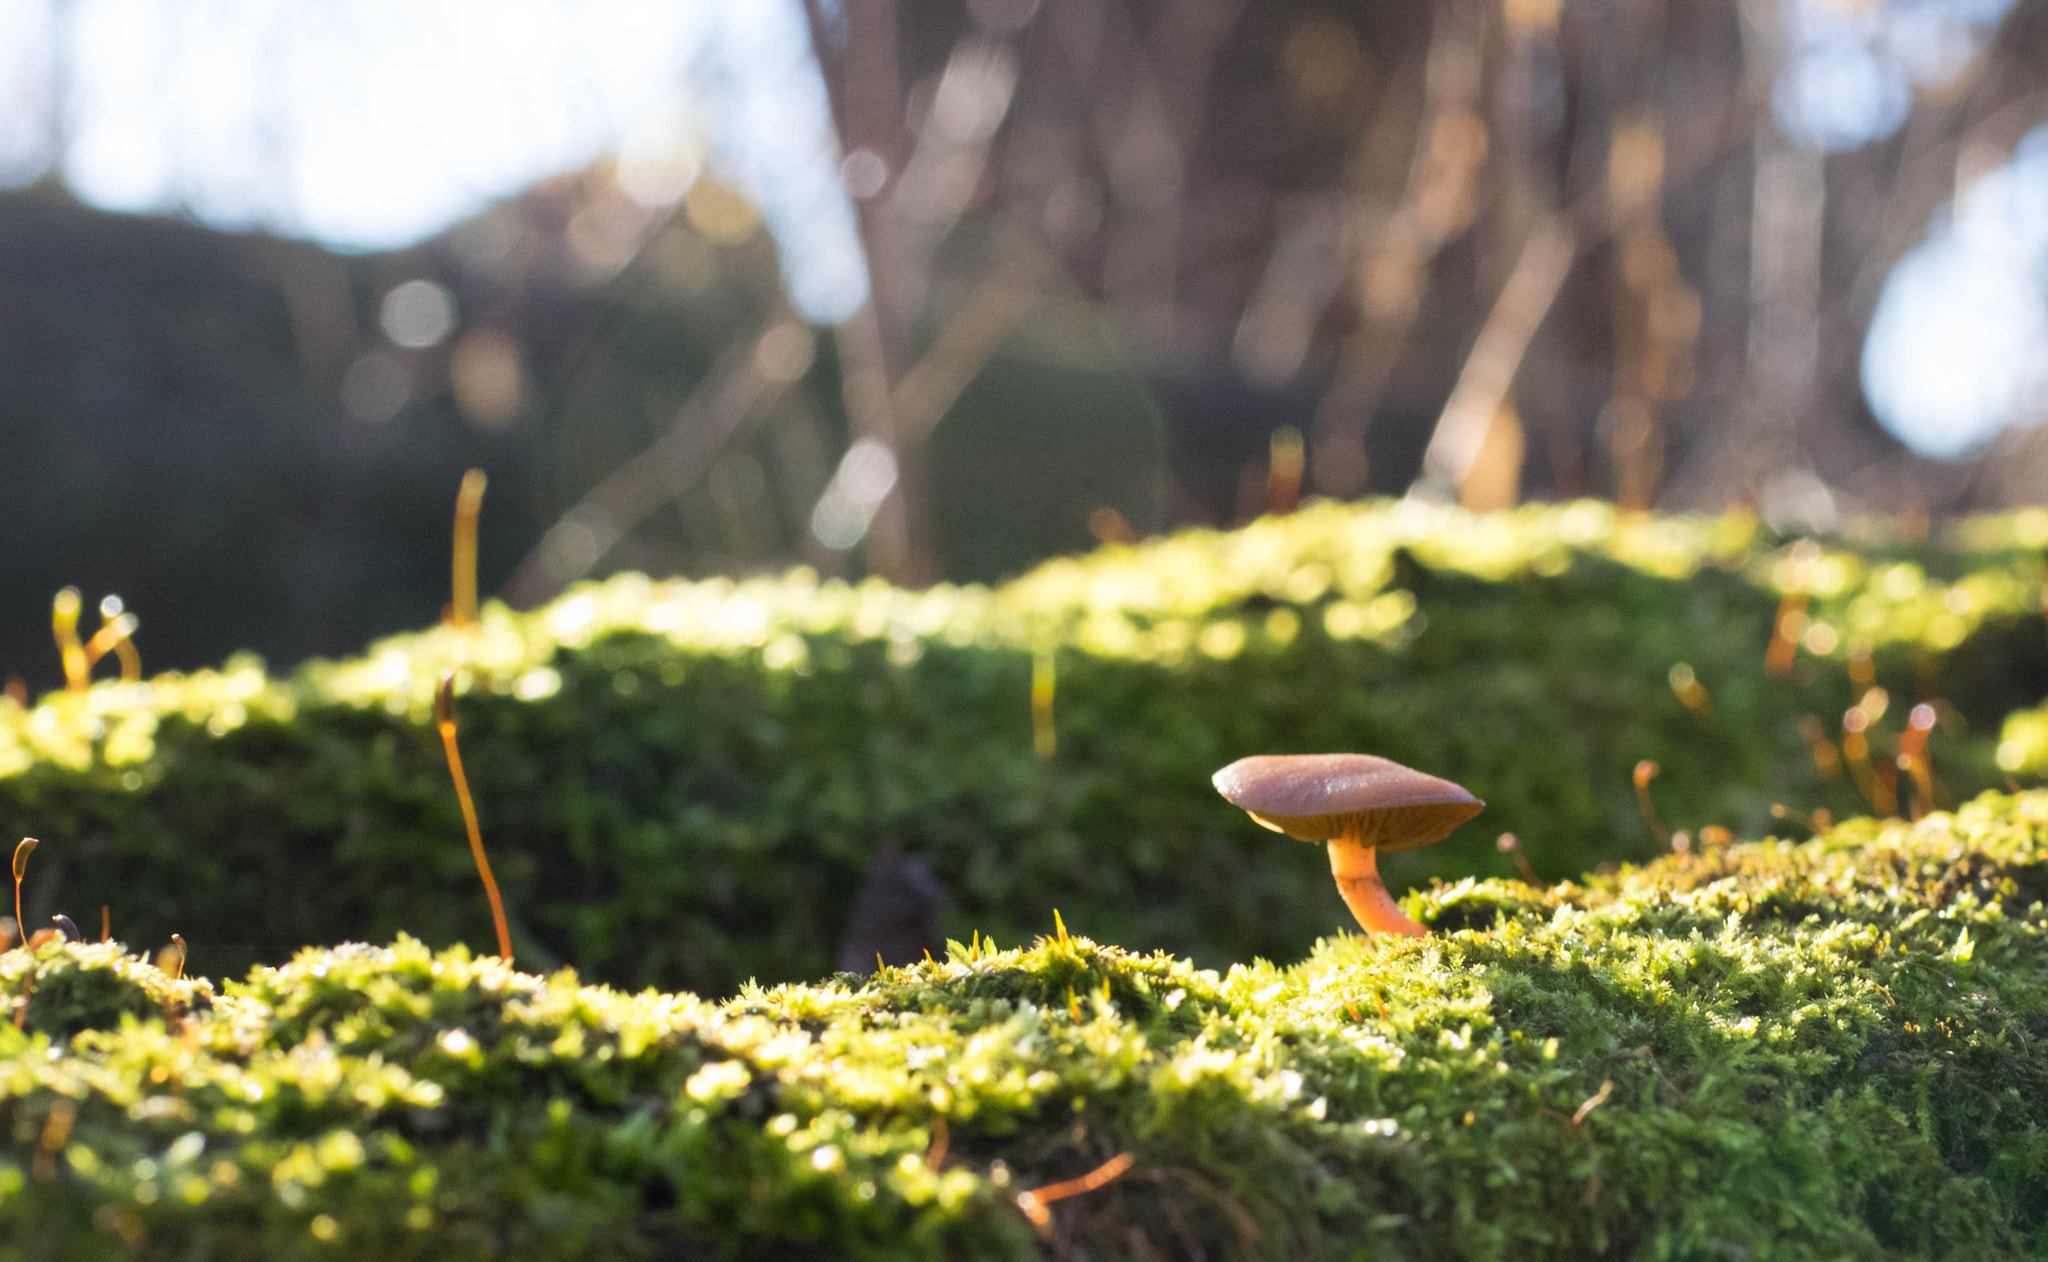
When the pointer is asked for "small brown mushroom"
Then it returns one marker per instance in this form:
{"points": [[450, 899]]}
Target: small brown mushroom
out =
{"points": [[1360, 805]]}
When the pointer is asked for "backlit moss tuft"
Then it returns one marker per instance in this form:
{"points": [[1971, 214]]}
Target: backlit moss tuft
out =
{"points": [[680, 784], [1831, 1049]]}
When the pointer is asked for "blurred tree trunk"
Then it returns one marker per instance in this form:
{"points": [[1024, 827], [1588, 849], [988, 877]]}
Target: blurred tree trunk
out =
{"points": [[1331, 198]]}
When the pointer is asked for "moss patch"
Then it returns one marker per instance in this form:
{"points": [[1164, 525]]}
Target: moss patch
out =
{"points": [[1832, 1049], [681, 783]]}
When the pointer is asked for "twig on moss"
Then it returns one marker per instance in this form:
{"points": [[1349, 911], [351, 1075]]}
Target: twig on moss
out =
{"points": [[1594, 1101], [1930, 968], [1034, 1202], [444, 719]]}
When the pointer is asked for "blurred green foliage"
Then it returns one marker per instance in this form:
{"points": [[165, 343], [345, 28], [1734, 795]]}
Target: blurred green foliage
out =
{"points": [[681, 783], [1823, 1050], [178, 426]]}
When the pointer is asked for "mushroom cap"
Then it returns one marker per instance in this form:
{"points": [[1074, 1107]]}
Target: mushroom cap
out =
{"points": [[1316, 797]]}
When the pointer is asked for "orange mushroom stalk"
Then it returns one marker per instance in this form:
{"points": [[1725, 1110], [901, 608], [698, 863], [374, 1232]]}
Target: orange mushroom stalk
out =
{"points": [[1360, 805]]}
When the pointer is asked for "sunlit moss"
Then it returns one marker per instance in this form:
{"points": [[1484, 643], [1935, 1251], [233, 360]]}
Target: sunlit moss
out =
{"points": [[686, 778], [1772, 1050], [1149, 602]]}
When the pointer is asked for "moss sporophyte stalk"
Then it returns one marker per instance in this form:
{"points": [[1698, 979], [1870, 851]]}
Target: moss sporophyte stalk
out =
{"points": [[115, 635], [1765, 1049], [444, 722], [22, 850]]}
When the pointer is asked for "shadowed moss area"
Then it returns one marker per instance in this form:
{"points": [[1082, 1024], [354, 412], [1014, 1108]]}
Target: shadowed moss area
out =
{"points": [[1831, 1049], [681, 783]]}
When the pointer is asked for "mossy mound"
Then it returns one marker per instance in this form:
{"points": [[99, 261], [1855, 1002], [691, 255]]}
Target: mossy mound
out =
{"points": [[681, 783], [1824, 1050]]}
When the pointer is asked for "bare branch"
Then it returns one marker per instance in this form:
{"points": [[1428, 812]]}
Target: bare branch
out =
{"points": [[746, 381], [1496, 356]]}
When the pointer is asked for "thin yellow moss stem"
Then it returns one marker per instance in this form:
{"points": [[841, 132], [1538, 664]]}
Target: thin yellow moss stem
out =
{"points": [[444, 719], [469, 503], [64, 628], [113, 637], [1044, 736], [22, 851]]}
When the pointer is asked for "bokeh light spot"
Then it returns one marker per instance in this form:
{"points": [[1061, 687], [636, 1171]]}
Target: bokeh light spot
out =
{"points": [[417, 314]]}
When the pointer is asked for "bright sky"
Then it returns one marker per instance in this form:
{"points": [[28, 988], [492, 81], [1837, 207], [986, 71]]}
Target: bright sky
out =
{"points": [[374, 123], [1960, 345]]}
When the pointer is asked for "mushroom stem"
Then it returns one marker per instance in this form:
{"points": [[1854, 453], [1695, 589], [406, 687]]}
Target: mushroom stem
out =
{"points": [[1356, 867]]}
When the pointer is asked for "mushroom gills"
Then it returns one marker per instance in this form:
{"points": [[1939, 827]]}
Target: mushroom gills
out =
{"points": [[1356, 868]]}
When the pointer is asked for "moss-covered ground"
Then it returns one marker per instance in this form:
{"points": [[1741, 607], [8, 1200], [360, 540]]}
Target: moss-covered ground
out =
{"points": [[1830, 1049], [681, 783]]}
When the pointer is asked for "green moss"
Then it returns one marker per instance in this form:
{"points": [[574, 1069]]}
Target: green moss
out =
{"points": [[681, 783], [1834, 1049]]}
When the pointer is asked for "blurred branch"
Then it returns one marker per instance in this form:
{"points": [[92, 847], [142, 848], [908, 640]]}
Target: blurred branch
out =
{"points": [[944, 172], [1391, 277], [747, 379], [971, 337], [1489, 370], [856, 54], [864, 388], [1496, 356], [900, 420], [903, 222], [318, 302]]}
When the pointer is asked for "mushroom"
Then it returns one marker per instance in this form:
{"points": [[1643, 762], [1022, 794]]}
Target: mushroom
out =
{"points": [[1360, 805]]}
